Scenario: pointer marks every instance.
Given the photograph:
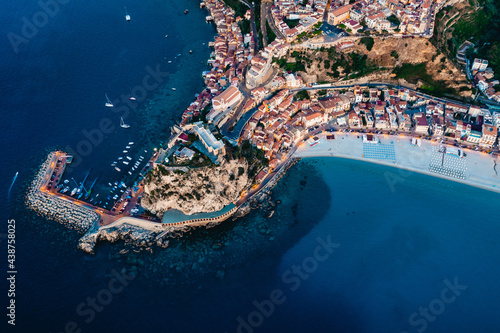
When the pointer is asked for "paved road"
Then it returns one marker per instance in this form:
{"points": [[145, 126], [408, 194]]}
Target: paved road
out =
{"points": [[240, 111], [378, 84], [252, 23], [263, 20], [267, 15]]}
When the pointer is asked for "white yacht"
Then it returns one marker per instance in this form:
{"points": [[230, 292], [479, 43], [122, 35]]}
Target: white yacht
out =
{"points": [[108, 102], [127, 16], [122, 123]]}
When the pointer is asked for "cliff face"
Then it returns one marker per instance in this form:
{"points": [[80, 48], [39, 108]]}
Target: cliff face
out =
{"points": [[206, 189]]}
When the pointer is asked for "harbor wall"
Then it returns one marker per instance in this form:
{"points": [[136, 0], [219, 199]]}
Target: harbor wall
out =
{"points": [[145, 233], [51, 206]]}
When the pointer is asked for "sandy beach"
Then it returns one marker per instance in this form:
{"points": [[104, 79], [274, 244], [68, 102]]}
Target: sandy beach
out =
{"points": [[475, 169]]}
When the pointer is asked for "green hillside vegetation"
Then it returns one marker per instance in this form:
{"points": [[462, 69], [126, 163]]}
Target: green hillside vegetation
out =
{"points": [[478, 22], [414, 73], [271, 36]]}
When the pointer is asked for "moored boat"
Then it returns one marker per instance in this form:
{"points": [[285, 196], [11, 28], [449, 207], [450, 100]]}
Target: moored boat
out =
{"points": [[122, 123], [108, 102], [127, 16]]}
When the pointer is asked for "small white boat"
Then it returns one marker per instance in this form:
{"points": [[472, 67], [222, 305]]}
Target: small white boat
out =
{"points": [[132, 98], [125, 151], [131, 143], [73, 192], [117, 169], [127, 147], [125, 162], [166, 36], [129, 158], [119, 158], [130, 173], [122, 123], [179, 55], [66, 181], [108, 102], [170, 61], [127, 16], [113, 164], [174, 89]]}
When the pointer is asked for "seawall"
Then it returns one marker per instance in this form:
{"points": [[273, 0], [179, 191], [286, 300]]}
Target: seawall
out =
{"points": [[145, 233], [53, 207]]}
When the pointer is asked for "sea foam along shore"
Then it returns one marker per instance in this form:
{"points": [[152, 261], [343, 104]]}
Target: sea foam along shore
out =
{"points": [[480, 167]]}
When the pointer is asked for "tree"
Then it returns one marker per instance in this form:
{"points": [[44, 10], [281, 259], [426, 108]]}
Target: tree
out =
{"points": [[368, 41], [393, 19], [394, 54], [303, 94]]}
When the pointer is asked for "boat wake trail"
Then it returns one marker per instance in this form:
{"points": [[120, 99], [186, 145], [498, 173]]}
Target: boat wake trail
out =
{"points": [[13, 181]]}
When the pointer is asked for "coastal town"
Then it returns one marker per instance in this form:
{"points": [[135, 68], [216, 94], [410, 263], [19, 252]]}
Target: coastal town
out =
{"points": [[253, 119]]}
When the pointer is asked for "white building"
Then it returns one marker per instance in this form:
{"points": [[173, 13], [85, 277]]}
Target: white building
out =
{"points": [[225, 101], [293, 81], [213, 145], [312, 119], [479, 65]]}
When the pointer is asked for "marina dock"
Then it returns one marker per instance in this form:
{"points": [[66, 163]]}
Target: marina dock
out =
{"points": [[97, 223]]}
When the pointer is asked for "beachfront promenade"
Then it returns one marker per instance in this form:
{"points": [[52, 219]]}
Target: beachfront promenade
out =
{"points": [[475, 169]]}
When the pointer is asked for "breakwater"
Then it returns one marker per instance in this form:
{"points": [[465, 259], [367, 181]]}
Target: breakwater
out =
{"points": [[54, 207], [144, 233]]}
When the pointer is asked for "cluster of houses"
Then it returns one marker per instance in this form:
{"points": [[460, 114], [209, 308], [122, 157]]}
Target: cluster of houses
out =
{"points": [[308, 12], [259, 72], [281, 121], [413, 15], [229, 58], [484, 78]]}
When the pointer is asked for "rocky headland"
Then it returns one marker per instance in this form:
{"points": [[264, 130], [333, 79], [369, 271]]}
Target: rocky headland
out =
{"points": [[206, 189]]}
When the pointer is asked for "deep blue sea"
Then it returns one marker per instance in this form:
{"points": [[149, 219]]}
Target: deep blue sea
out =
{"points": [[344, 251]]}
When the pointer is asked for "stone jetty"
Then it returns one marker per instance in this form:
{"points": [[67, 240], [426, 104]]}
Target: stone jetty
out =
{"points": [[55, 208]]}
